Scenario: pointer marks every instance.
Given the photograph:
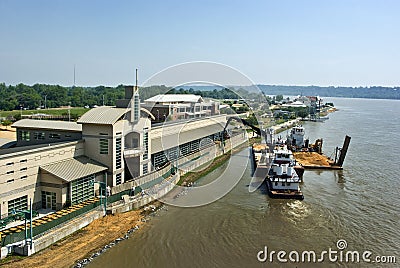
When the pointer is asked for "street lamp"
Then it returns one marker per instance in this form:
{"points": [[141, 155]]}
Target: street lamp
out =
{"points": [[102, 186], [27, 215]]}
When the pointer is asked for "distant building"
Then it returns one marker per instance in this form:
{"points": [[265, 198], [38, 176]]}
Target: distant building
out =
{"points": [[171, 107]]}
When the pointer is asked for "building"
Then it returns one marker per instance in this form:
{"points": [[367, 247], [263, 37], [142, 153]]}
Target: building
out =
{"points": [[171, 107], [56, 164]]}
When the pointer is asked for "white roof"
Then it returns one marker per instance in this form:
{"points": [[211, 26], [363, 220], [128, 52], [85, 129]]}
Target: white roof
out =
{"points": [[47, 124], [103, 115], [175, 98], [295, 104]]}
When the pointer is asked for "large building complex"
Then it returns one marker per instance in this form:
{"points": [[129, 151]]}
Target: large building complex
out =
{"points": [[56, 164]]}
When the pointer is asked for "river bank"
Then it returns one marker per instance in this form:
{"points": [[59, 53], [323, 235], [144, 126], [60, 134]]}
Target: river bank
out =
{"points": [[83, 243], [90, 240]]}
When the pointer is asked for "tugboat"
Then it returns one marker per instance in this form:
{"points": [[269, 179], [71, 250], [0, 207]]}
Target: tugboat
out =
{"points": [[282, 180], [295, 140]]}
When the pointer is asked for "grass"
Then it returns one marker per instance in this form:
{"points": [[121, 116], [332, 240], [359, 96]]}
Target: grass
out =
{"points": [[78, 111]]}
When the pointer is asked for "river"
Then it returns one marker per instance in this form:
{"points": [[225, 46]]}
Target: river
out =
{"points": [[359, 204]]}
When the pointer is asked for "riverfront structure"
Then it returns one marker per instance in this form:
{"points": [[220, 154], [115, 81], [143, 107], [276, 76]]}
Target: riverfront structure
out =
{"points": [[56, 163]]}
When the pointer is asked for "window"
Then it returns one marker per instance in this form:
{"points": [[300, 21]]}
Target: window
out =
{"points": [[118, 155], [10, 172], [39, 135], [23, 169], [20, 203], [103, 146], [145, 169], [23, 161], [118, 179], [23, 135], [54, 136], [10, 164], [24, 177], [68, 136], [145, 144], [82, 189], [136, 108], [9, 181]]}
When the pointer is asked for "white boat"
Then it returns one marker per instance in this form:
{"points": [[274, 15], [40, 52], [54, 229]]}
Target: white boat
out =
{"points": [[282, 179]]}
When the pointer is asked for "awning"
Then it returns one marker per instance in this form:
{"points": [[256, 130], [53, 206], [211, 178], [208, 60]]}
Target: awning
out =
{"points": [[74, 168]]}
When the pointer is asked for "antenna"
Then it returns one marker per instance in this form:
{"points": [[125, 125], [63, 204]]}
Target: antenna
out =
{"points": [[136, 85], [74, 74]]}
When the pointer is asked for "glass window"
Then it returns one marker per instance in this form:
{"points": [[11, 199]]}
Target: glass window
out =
{"points": [[38, 135], [54, 136], [118, 179], [20, 203], [82, 189], [118, 155], [103, 143], [23, 135]]}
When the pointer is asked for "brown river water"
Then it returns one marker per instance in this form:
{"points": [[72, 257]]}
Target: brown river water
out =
{"points": [[359, 204]]}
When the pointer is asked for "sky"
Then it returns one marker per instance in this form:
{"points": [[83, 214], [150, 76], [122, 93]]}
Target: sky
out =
{"points": [[303, 42]]}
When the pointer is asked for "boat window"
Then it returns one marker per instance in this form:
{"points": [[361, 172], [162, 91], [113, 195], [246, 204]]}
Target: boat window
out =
{"points": [[283, 184], [288, 183], [276, 184]]}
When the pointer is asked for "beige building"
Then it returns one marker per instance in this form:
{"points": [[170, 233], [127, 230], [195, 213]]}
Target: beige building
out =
{"points": [[56, 163]]}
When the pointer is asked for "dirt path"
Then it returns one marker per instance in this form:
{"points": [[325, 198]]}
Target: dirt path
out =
{"points": [[66, 252], [7, 133]]}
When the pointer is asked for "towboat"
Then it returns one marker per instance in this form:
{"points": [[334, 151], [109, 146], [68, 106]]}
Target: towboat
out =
{"points": [[282, 179]]}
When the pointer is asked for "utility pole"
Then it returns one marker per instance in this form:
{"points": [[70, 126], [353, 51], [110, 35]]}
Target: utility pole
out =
{"points": [[69, 112]]}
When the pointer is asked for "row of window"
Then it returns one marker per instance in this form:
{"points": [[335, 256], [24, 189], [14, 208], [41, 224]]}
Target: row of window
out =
{"points": [[12, 163], [24, 135], [12, 171], [118, 153], [20, 203], [21, 178]]}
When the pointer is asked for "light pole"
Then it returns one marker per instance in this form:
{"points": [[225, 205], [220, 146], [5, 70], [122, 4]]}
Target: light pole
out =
{"points": [[102, 186], [27, 214]]}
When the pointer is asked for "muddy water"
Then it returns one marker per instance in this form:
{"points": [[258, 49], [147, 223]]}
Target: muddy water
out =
{"points": [[359, 204]]}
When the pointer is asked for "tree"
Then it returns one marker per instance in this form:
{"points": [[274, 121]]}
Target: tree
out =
{"points": [[6, 123]]}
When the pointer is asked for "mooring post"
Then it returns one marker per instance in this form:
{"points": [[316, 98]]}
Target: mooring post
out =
{"points": [[343, 151]]}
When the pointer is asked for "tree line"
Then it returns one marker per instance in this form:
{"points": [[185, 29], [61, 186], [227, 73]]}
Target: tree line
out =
{"points": [[23, 96]]}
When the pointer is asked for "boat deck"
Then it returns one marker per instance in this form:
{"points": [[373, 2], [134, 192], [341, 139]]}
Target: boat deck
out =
{"points": [[313, 160]]}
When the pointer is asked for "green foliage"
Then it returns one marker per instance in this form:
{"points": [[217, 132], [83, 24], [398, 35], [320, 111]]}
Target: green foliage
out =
{"points": [[6, 122], [53, 96]]}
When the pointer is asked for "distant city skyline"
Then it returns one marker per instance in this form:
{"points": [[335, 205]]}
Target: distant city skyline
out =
{"points": [[321, 43]]}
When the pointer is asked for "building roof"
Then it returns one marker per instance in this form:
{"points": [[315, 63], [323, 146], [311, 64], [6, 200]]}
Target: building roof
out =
{"points": [[103, 115], [175, 98], [170, 136], [74, 168], [47, 124]]}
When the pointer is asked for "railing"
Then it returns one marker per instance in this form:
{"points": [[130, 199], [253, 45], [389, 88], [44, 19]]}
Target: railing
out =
{"points": [[41, 225], [133, 151]]}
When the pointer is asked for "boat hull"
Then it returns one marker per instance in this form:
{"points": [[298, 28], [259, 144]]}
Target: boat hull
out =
{"points": [[279, 194]]}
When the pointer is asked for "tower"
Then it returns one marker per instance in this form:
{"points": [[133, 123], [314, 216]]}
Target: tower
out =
{"points": [[136, 101]]}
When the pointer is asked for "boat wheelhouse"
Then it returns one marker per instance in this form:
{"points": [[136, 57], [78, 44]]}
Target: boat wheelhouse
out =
{"points": [[282, 179]]}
